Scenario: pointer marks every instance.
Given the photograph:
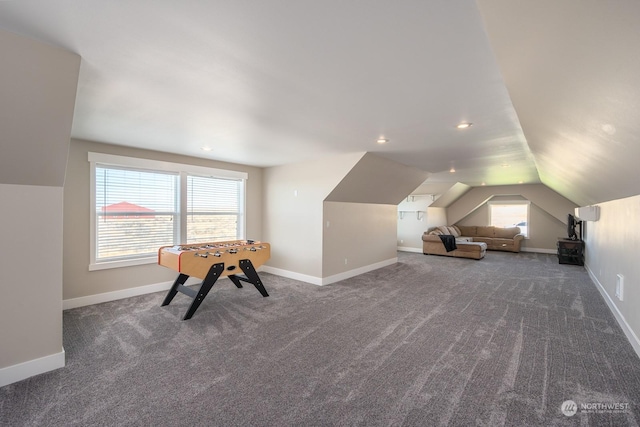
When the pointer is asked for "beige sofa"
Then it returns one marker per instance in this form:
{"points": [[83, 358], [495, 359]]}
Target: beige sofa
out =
{"points": [[495, 238], [466, 248], [432, 245]]}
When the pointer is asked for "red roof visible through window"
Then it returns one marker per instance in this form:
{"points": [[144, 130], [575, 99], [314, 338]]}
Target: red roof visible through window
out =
{"points": [[128, 209]]}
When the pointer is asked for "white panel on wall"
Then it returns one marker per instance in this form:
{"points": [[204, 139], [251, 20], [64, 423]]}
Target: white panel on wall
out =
{"points": [[588, 213]]}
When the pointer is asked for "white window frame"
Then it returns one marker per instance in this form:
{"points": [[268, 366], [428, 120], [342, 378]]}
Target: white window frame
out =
{"points": [[183, 203], [514, 202], [158, 166]]}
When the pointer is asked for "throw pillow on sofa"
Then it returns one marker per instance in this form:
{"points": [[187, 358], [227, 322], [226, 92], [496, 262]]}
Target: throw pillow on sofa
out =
{"points": [[452, 230]]}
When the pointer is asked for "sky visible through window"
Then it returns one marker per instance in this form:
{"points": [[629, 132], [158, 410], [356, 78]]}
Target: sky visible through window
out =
{"points": [[510, 215], [138, 211], [151, 190]]}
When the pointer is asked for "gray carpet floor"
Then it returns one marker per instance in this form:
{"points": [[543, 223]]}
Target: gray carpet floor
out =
{"points": [[429, 341]]}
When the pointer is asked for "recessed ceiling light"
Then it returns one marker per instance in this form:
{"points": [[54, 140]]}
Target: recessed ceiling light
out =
{"points": [[610, 129], [464, 125], [382, 140], [206, 148]]}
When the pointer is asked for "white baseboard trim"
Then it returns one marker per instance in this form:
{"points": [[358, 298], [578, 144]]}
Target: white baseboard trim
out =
{"points": [[631, 335], [408, 249], [121, 294], [321, 281], [539, 250], [164, 286], [292, 275], [24, 370], [358, 271]]}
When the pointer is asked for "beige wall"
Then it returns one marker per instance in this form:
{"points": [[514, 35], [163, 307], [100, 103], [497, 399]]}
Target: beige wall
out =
{"points": [[31, 265], [78, 280], [293, 208], [548, 212], [547, 199], [358, 192], [612, 247], [38, 88], [37, 95], [544, 229], [357, 235], [410, 228]]}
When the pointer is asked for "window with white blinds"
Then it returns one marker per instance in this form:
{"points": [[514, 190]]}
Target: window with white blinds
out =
{"points": [[136, 212], [213, 209], [140, 205]]}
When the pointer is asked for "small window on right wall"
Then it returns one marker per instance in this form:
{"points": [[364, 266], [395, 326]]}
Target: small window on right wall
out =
{"points": [[510, 214]]}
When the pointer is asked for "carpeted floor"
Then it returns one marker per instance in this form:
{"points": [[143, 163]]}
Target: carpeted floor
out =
{"points": [[429, 341]]}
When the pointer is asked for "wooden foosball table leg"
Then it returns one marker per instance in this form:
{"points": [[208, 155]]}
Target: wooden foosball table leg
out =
{"points": [[198, 296], [247, 268], [235, 281], [207, 284], [250, 276], [213, 273], [174, 288]]}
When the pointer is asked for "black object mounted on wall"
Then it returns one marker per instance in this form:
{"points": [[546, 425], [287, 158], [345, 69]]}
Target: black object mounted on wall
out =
{"points": [[572, 224]]}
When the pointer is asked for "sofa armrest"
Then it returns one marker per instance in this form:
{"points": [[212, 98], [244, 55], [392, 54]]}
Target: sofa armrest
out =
{"points": [[517, 240], [431, 238]]}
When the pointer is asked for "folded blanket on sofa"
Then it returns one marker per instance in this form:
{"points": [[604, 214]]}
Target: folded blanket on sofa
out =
{"points": [[449, 242]]}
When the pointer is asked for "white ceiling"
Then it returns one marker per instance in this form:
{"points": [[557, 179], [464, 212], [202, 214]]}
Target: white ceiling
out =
{"points": [[572, 69], [279, 81]]}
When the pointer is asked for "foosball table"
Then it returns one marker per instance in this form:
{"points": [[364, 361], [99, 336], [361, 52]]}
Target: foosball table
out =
{"points": [[209, 262]]}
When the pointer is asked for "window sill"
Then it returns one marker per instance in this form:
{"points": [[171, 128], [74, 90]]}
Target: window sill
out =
{"points": [[123, 263]]}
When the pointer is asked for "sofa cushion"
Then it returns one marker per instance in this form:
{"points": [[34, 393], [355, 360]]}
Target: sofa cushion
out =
{"points": [[506, 233], [486, 240], [467, 230], [471, 250], [485, 231], [472, 247], [446, 229]]}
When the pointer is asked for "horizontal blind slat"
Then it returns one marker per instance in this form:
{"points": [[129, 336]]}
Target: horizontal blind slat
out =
{"points": [[213, 208], [136, 212]]}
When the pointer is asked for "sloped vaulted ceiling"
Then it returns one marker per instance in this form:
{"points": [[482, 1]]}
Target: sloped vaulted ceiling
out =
{"points": [[276, 82], [37, 93], [549, 85], [571, 68], [378, 180]]}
